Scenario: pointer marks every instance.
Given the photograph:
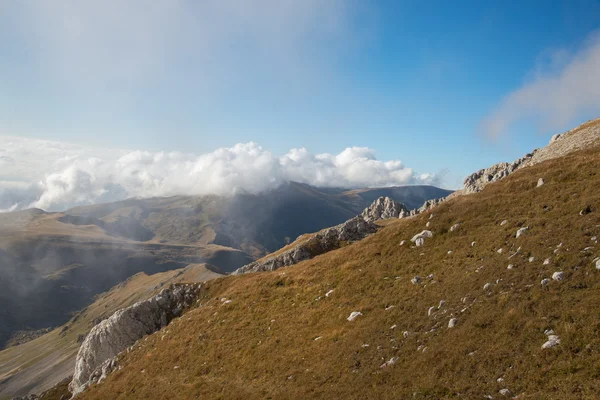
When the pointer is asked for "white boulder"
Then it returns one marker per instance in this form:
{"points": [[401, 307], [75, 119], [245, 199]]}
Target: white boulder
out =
{"points": [[558, 276], [520, 231], [354, 315]]}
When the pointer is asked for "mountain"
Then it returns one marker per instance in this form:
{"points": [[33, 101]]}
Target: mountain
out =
{"points": [[485, 295], [54, 264]]}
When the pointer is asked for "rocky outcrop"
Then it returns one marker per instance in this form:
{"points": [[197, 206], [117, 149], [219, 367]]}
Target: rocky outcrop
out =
{"points": [[97, 355], [326, 240], [384, 208], [480, 179], [584, 136], [428, 205]]}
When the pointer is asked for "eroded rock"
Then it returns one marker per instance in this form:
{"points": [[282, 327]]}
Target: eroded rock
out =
{"points": [[96, 356]]}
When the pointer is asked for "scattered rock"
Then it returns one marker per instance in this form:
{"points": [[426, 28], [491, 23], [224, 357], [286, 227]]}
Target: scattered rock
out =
{"points": [[454, 227], [547, 261], [402, 243], [504, 392], [473, 244], [452, 323], [416, 280], [329, 293], [510, 266], [545, 281], [430, 311], [354, 315], [389, 363], [553, 339], [597, 264], [503, 222], [442, 302], [540, 182], [419, 239], [531, 259], [405, 334], [487, 286], [558, 276], [586, 210], [521, 231], [499, 251]]}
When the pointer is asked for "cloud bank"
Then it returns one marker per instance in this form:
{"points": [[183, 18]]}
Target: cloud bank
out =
{"points": [[556, 96], [55, 176]]}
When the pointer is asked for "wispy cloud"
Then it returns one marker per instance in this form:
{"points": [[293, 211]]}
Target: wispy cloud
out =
{"points": [[556, 95], [116, 44], [54, 176]]}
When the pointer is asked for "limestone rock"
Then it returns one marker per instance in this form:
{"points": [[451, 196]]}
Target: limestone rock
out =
{"points": [[96, 356], [354, 315], [558, 276], [422, 235], [389, 363], [326, 240], [521, 231], [384, 208], [452, 323], [553, 339], [477, 181], [540, 182]]}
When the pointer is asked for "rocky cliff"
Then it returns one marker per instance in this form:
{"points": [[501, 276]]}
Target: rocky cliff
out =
{"points": [[97, 355], [326, 240]]}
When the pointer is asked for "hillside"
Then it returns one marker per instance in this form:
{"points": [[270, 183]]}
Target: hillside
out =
{"points": [[473, 325], [53, 264], [41, 363]]}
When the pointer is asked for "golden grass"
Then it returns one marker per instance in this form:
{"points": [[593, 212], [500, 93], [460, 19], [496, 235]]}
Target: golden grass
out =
{"points": [[262, 345]]}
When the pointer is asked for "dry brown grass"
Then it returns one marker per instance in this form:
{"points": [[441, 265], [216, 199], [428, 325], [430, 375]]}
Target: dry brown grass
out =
{"points": [[261, 345]]}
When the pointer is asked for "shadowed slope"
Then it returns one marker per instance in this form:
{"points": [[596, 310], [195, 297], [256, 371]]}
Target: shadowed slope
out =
{"points": [[40, 364]]}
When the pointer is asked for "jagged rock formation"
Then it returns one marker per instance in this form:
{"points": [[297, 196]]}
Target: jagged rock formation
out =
{"points": [[97, 355], [429, 204], [384, 208], [477, 181], [326, 240]]}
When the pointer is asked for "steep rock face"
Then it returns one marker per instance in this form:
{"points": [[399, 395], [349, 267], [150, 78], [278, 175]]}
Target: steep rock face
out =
{"points": [[326, 240], [384, 208], [96, 357]]}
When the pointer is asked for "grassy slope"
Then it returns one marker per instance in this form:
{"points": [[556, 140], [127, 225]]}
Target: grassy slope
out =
{"points": [[43, 362], [261, 345]]}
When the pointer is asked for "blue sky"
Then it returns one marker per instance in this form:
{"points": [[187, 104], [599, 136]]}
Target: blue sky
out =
{"points": [[426, 83]]}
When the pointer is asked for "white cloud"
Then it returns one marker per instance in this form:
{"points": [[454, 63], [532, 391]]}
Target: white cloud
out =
{"points": [[55, 176], [556, 96]]}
